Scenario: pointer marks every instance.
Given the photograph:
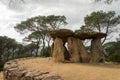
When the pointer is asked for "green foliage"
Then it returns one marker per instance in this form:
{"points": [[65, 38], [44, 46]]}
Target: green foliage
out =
{"points": [[30, 50], [112, 50], [33, 37], [7, 48], [1, 67], [47, 52], [98, 20], [10, 49], [106, 1], [41, 23], [115, 57], [55, 22]]}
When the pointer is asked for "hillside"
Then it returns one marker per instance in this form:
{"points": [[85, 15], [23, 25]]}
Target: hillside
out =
{"points": [[74, 71]]}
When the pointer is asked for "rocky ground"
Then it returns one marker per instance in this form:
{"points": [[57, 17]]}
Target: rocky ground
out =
{"points": [[73, 71]]}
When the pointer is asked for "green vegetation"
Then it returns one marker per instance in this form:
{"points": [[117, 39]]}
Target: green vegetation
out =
{"points": [[106, 1], [112, 51], [47, 52]]}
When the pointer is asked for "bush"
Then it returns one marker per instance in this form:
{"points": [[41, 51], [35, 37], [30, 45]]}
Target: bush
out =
{"points": [[46, 52], [112, 50], [115, 57], [1, 67]]}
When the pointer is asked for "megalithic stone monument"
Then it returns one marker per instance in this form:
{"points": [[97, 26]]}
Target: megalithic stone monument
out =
{"points": [[75, 50]]}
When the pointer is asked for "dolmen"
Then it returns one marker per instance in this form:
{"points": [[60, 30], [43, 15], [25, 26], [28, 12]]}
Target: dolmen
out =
{"points": [[68, 46]]}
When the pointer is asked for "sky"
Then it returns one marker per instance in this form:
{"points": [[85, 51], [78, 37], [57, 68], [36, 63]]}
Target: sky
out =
{"points": [[74, 10]]}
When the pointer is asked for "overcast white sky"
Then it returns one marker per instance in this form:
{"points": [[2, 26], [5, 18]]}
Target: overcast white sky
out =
{"points": [[74, 10]]}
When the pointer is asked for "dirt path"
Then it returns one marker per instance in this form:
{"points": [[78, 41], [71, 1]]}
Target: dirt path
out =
{"points": [[73, 71], [1, 76]]}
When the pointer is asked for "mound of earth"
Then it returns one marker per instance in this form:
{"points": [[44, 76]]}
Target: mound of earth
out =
{"points": [[74, 71]]}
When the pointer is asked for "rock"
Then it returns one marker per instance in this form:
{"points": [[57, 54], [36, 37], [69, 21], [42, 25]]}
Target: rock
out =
{"points": [[59, 50], [96, 51], [88, 34], [20, 73], [73, 49], [83, 52], [61, 33], [52, 77]]}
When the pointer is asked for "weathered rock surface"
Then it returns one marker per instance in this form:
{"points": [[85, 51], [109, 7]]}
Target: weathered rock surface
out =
{"points": [[88, 34], [96, 51], [12, 71], [58, 50], [73, 49], [83, 52], [61, 33]]}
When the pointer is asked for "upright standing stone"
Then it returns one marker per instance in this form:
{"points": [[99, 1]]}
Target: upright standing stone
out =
{"points": [[83, 52], [96, 51], [58, 50], [73, 49]]}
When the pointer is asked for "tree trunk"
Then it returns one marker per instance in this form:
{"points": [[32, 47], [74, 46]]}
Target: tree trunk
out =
{"points": [[8, 54], [13, 53], [7, 57], [31, 52], [43, 47], [48, 41], [37, 50], [96, 51], [107, 30]]}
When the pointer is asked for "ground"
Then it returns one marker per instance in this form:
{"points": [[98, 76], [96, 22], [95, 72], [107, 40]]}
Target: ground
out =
{"points": [[1, 76], [74, 71]]}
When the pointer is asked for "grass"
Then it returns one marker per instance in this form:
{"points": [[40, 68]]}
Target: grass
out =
{"points": [[74, 71]]}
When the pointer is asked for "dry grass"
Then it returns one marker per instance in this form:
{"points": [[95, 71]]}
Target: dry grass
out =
{"points": [[1, 76], [74, 71]]}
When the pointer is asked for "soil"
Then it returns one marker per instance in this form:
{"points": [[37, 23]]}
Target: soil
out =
{"points": [[1, 75], [74, 71]]}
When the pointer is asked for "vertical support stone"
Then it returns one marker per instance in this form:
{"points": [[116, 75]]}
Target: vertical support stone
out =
{"points": [[73, 49], [58, 50], [96, 51], [83, 52]]}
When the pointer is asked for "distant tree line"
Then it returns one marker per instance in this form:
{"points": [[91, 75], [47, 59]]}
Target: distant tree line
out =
{"points": [[11, 49], [112, 51]]}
